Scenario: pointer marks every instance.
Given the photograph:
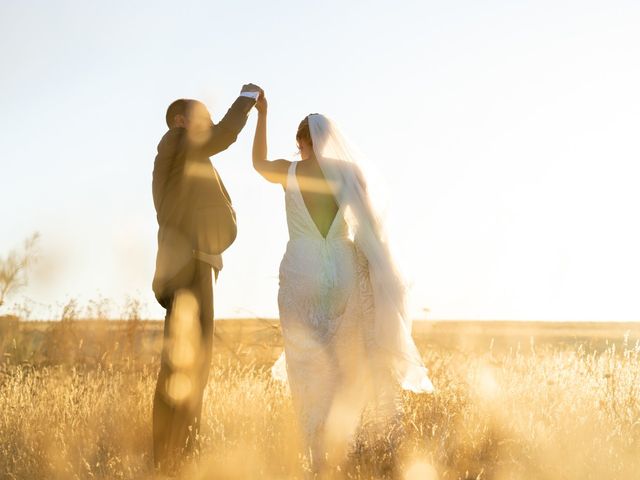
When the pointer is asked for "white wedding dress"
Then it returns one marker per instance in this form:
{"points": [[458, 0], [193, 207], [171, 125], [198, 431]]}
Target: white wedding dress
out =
{"points": [[347, 339], [326, 313]]}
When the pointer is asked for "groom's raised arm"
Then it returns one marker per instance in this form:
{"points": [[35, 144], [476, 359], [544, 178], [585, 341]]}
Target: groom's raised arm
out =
{"points": [[225, 132]]}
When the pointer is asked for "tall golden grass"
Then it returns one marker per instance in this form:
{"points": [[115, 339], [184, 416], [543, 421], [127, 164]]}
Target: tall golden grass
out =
{"points": [[75, 402]]}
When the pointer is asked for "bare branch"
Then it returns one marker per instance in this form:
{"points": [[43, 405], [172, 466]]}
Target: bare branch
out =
{"points": [[13, 268]]}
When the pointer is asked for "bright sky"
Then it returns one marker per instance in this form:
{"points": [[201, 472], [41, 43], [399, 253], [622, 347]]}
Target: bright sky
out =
{"points": [[507, 132]]}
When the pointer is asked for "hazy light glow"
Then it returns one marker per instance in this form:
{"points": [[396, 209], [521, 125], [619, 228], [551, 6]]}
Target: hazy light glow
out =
{"points": [[506, 133]]}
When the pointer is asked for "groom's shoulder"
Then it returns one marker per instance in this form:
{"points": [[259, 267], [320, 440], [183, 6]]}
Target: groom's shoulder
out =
{"points": [[170, 142], [172, 136]]}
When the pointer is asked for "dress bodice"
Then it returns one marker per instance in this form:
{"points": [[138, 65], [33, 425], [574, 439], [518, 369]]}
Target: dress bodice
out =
{"points": [[301, 225]]}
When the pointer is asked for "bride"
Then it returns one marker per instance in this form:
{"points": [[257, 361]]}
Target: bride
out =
{"points": [[347, 337]]}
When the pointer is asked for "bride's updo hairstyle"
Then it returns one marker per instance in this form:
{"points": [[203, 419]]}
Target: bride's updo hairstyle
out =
{"points": [[303, 132]]}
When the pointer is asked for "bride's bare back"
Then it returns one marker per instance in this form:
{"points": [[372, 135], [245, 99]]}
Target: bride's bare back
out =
{"points": [[317, 195]]}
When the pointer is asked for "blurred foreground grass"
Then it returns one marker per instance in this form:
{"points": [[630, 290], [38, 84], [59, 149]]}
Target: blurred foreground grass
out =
{"points": [[513, 401]]}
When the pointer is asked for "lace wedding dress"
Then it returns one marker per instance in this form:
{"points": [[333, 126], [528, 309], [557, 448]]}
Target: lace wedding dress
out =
{"points": [[334, 367], [347, 337]]}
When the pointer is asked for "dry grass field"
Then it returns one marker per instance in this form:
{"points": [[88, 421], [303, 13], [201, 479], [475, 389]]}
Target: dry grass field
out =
{"points": [[513, 401]]}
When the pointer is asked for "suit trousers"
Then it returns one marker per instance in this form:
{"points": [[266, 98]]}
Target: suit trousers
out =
{"points": [[184, 367]]}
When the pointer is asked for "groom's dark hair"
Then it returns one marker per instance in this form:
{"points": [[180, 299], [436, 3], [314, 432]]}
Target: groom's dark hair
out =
{"points": [[179, 107]]}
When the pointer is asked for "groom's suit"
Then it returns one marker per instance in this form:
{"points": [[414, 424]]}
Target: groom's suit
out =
{"points": [[196, 223]]}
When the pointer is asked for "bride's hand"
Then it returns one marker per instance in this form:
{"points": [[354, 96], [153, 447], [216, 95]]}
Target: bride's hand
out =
{"points": [[261, 103]]}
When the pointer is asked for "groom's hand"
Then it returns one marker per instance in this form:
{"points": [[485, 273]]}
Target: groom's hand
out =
{"points": [[250, 90]]}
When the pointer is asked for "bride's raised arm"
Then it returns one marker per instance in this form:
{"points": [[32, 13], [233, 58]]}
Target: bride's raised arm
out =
{"points": [[274, 171]]}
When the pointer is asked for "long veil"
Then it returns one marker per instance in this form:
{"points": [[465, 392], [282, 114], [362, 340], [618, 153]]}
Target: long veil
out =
{"points": [[392, 325]]}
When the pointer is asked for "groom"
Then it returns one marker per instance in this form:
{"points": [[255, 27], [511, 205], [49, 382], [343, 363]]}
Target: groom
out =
{"points": [[196, 224]]}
